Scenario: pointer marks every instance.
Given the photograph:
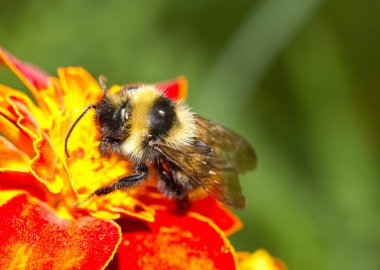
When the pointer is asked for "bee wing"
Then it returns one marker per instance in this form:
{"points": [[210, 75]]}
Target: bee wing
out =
{"points": [[214, 161], [228, 144]]}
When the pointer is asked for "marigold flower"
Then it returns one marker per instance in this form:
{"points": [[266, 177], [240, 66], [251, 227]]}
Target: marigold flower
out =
{"points": [[41, 224], [259, 260]]}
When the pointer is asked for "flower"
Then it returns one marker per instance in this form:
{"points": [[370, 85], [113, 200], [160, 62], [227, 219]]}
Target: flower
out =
{"points": [[42, 226], [259, 260]]}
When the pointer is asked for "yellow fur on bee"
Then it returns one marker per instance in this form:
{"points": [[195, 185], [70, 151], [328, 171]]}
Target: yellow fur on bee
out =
{"points": [[142, 100]]}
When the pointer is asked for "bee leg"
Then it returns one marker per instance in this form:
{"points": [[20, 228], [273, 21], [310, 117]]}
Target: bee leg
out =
{"points": [[168, 187], [183, 205], [125, 182]]}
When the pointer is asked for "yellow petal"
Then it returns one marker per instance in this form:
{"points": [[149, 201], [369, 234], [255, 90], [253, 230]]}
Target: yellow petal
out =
{"points": [[259, 260]]}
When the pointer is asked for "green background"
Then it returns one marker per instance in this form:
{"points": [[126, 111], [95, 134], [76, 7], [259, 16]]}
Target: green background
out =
{"points": [[298, 78]]}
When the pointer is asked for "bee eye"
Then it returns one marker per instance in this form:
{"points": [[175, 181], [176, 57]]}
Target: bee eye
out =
{"points": [[162, 117], [124, 114], [161, 113], [112, 140]]}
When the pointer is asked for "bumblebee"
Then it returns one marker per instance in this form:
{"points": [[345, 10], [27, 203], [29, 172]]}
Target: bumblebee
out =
{"points": [[187, 151]]}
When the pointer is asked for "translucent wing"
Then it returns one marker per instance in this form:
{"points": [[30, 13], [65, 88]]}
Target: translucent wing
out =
{"points": [[214, 160], [228, 144]]}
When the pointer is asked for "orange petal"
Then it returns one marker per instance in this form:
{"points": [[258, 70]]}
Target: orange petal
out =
{"points": [[4, 102], [18, 123], [44, 165], [79, 87], [17, 110], [45, 89], [11, 158], [32, 236], [34, 78], [174, 242], [120, 204], [19, 99], [176, 89], [259, 260], [51, 99], [25, 119], [44, 162], [10, 129]]}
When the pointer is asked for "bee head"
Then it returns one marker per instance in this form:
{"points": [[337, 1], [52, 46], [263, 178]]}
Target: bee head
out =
{"points": [[148, 116], [130, 119], [113, 119]]}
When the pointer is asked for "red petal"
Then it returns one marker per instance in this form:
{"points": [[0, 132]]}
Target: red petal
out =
{"points": [[32, 236], [174, 242], [220, 215], [175, 90], [207, 207], [11, 180], [33, 77]]}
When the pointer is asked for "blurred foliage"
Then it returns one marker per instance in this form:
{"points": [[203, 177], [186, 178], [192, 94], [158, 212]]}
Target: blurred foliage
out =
{"points": [[298, 78]]}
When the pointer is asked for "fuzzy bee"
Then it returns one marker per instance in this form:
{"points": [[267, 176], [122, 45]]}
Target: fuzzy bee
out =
{"points": [[140, 123]]}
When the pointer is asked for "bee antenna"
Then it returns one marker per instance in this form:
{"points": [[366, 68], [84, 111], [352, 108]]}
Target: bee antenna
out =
{"points": [[102, 81], [92, 106]]}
